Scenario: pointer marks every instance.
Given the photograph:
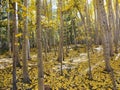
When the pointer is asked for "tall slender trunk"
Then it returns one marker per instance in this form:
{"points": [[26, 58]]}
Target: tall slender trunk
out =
{"points": [[39, 45], [74, 33], [25, 46], [116, 36], [15, 46], [96, 25], [60, 53], [0, 30], [67, 51], [46, 31], [28, 34], [55, 47], [111, 26], [0, 40], [87, 40], [105, 31], [46, 43], [8, 30], [28, 49], [87, 29], [15, 17]]}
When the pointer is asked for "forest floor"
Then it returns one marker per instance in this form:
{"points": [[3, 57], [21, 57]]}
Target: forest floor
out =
{"points": [[75, 72]]}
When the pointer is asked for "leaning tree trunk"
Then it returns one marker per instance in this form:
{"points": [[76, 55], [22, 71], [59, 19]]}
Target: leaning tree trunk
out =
{"points": [[25, 46], [39, 45], [105, 31], [86, 27]]}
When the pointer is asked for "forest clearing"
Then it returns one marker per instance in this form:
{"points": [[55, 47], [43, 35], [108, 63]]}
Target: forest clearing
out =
{"points": [[59, 44]]}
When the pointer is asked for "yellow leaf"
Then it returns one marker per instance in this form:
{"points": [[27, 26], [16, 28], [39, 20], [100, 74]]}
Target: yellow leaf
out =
{"points": [[18, 35], [17, 44]]}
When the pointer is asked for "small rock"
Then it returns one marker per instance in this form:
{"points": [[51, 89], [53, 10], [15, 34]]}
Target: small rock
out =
{"points": [[117, 57], [98, 49], [83, 55]]}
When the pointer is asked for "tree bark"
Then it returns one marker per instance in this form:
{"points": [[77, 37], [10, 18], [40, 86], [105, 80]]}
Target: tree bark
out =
{"points": [[46, 30], [86, 27], [28, 49], [15, 26], [74, 32], [15, 45], [8, 30], [111, 26], [116, 36], [96, 25], [25, 46], [105, 31], [60, 52], [39, 45], [87, 40]]}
